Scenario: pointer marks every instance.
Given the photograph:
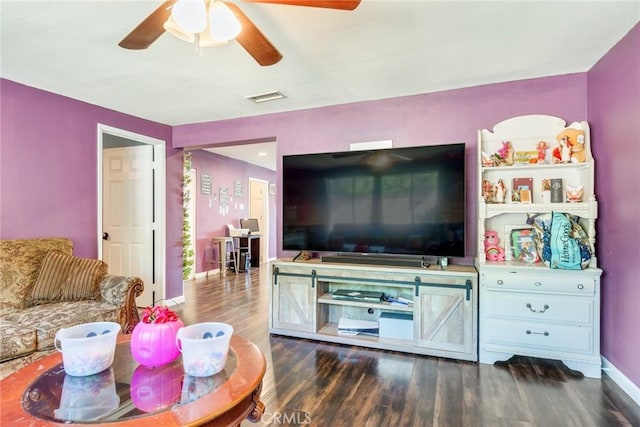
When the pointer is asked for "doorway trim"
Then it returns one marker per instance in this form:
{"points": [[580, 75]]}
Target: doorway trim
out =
{"points": [[266, 230], [160, 206]]}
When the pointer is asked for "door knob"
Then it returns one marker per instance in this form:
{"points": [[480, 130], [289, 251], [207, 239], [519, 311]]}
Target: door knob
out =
{"points": [[105, 236]]}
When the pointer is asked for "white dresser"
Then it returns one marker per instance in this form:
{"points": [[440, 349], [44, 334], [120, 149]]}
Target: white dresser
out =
{"points": [[541, 312]]}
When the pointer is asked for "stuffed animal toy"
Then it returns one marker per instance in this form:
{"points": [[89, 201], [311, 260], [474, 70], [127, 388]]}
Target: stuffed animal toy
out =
{"points": [[578, 154], [493, 251]]}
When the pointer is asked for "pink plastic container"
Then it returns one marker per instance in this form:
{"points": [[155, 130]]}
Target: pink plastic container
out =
{"points": [[154, 344]]}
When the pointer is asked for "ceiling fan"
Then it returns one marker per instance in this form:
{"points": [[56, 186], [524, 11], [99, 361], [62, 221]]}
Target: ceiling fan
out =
{"points": [[250, 37]]}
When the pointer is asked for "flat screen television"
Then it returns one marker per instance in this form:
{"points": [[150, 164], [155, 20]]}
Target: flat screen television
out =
{"points": [[397, 201]]}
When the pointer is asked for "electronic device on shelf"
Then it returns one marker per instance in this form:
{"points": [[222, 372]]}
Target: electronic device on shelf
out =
{"points": [[250, 224], [404, 202], [358, 295]]}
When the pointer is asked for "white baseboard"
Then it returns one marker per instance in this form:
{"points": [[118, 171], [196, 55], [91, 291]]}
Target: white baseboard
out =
{"points": [[623, 382], [205, 274], [174, 301]]}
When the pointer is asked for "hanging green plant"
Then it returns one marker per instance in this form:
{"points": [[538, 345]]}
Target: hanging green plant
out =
{"points": [[187, 253]]}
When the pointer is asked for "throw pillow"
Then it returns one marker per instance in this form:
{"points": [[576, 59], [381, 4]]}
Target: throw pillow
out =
{"points": [[20, 262], [68, 278]]}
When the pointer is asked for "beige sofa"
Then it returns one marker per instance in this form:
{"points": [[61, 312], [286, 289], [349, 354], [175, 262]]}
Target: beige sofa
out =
{"points": [[43, 288]]}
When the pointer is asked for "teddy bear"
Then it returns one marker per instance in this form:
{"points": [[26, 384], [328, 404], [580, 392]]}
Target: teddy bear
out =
{"points": [[578, 154], [493, 251]]}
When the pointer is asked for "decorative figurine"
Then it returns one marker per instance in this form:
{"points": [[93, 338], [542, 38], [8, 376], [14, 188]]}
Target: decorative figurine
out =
{"points": [[499, 192], [546, 191], [542, 151], [562, 153], [488, 160], [504, 156], [574, 193], [493, 251], [487, 191]]}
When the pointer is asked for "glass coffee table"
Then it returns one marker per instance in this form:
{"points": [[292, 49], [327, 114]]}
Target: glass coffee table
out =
{"points": [[129, 394]]}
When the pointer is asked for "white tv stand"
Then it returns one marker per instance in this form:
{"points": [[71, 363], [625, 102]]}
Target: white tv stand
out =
{"points": [[444, 309]]}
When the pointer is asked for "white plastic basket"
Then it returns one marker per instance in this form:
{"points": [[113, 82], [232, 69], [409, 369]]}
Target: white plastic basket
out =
{"points": [[87, 348]]}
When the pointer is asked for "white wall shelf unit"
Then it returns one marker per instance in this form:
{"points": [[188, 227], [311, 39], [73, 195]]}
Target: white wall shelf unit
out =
{"points": [[531, 309]]}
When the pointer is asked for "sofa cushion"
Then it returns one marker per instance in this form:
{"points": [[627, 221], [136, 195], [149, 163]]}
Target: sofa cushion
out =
{"points": [[47, 319], [68, 278], [20, 262], [16, 340]]}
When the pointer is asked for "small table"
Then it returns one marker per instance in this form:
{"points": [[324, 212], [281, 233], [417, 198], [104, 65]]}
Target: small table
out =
{"points": [[33, 393]]}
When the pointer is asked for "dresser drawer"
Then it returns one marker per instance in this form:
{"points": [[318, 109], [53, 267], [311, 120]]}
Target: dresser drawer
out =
{"points": [[539, 338], [581, 284], [539, 307]]}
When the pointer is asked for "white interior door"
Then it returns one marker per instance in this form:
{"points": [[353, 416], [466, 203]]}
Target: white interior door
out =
{"points": [[259, 209], [127, 217]]}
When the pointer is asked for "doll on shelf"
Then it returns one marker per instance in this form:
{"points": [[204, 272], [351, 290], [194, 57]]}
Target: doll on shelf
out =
{"points": [[562, 153], [542, 152]]}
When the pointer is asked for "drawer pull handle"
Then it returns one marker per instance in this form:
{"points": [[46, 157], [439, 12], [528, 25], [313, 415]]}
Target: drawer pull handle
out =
{"points": [[545, 308], [580, 286], [537, 283], [545, 333], [500, 282]]}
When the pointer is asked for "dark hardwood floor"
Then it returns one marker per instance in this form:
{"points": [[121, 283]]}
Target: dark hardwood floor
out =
{"points": [[322, 384]]}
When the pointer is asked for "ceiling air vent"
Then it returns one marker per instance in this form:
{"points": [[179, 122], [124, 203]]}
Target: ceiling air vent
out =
{"points": [[267, 96]]}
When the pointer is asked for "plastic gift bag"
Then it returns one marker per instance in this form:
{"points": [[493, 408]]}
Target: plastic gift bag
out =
{"points": [[561, 241]]}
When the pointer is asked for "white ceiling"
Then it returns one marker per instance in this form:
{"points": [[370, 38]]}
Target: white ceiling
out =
{"points": [[383, 49]]}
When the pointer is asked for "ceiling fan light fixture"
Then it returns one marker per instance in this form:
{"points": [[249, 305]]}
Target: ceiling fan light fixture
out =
{"points": [[223, 24], [207, 40], [190, 15], [175, 30]]}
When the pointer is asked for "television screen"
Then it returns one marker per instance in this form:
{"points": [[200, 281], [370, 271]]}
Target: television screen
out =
{"points": [[404, 201]]}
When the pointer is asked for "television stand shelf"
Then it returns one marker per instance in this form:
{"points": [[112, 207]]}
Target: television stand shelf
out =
{"points": [[441, 319]]}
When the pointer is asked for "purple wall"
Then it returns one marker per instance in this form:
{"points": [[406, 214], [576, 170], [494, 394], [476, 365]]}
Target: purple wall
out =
{"points": [[444, 117], [614, 116], [48, 170], [210, 222]]}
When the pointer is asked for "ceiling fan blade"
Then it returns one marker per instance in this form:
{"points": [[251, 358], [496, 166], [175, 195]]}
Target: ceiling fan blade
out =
{"points": [[148, 30], [253, 41], [327, 4]]}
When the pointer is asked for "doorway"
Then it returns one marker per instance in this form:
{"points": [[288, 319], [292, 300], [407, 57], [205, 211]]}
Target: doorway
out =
{"points": [[131, 208], [259, 209]]}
